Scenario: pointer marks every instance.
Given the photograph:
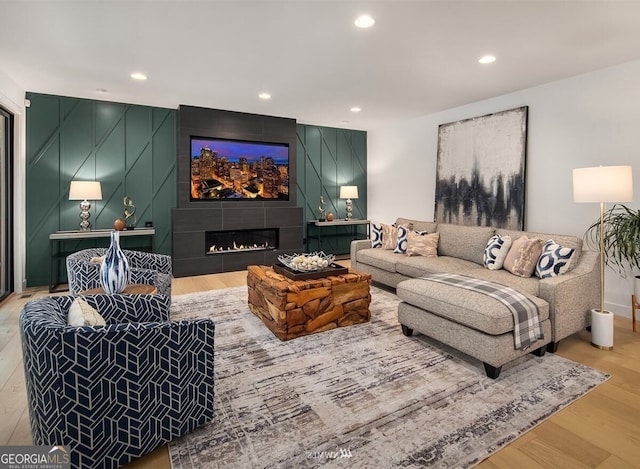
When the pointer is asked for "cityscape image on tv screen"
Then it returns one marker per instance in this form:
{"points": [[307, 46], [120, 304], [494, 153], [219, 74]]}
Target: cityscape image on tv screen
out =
{"points": [[233, 169]]}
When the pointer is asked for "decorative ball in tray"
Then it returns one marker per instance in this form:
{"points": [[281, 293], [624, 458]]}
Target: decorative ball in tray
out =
{"points": [[307, 262]]}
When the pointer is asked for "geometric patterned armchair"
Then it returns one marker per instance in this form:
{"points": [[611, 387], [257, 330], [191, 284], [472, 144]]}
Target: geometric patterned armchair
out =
{"points": [[146, 267], [113, 393]]}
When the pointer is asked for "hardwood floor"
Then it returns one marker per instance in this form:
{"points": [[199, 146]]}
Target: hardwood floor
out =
{"points": [[600, 430]]}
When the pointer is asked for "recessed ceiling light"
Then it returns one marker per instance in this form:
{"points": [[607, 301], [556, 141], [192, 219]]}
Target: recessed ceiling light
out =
{"points": [[355, 109], [264, 96], [138, 76], [487, 59], [364, 21]]}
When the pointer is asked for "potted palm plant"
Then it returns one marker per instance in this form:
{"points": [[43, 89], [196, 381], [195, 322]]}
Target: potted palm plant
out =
{"points": [[621, 238]]}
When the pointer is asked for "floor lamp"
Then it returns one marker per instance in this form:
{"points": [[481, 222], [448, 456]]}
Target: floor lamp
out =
{"points": [[602, 184]]}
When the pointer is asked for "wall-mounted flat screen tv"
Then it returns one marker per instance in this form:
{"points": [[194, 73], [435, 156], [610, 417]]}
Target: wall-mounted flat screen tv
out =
{"points": [[224, 169]]}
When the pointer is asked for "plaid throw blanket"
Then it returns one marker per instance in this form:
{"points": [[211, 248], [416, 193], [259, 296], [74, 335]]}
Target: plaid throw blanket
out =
{"points": [[526, 320]]}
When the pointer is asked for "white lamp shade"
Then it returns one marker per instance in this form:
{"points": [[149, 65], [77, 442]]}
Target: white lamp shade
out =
{"points": [[348, 192], [85, 190], [603, 184]]}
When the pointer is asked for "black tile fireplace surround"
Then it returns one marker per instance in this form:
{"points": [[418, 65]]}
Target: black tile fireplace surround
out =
{"points": [[190, 227], [193, 219]]}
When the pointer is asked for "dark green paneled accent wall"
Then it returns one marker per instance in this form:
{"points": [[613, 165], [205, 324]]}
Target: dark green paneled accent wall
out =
{"points": [[130, 149], [327, 159]]}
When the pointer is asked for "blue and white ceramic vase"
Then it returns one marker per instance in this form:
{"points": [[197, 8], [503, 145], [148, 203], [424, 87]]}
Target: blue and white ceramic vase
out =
{"points": [[114, 271]]}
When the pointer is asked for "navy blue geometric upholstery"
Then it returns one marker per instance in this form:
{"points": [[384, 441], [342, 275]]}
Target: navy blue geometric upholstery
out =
{"points": [[116, 392], [146, 267]]}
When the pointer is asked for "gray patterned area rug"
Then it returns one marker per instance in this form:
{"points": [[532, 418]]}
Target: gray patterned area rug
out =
{"points": [[362, 396]]}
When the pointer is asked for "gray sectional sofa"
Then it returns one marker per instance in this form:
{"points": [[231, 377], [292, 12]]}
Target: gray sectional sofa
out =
{"points": [[465, 320]]}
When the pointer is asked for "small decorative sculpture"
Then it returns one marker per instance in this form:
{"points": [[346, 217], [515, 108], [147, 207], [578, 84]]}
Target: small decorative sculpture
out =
{"points": [[129, 213], [321, 209]]}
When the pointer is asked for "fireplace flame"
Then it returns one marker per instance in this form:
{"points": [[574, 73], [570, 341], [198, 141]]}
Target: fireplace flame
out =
{"points": [[213, 249]]}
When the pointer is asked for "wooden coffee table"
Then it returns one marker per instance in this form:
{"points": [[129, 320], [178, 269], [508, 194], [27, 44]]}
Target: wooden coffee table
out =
{"points": [[131, 289], [294, 308]]}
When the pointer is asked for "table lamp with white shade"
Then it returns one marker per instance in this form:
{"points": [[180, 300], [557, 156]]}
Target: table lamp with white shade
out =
{"points": [[349, 192], [602, 184], [85, 191]]}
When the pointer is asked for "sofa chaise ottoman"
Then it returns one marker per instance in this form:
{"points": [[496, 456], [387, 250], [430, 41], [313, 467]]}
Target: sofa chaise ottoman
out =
{"points": [[471, 322]]}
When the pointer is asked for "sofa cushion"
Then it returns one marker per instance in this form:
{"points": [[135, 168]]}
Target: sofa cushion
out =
{"points": [[380, 258], [417, 225], [418, 266], [464, 242], [523, 256], [529, 285], [473, 309]]}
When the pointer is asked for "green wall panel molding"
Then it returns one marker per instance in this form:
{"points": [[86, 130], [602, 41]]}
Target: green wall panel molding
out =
{"points": [[327, 159], [130, 149]]}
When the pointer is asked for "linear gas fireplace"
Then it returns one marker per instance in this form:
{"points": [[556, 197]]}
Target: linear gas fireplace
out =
{"points": [[236, 241]]}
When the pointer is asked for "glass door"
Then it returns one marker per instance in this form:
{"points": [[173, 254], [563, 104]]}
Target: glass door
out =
{"points": [[6, 203]]}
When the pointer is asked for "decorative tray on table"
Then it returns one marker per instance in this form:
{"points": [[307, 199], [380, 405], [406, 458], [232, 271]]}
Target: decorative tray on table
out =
{"points": [[308, 266]]}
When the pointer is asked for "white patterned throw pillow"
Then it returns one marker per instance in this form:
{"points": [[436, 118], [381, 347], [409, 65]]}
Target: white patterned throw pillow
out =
{"points": [[82, 313], [376, 235], [496, 251], [401, 242], [555, 260]]}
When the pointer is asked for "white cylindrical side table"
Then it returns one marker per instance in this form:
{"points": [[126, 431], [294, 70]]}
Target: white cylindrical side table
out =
{"points": [[602, 329]]}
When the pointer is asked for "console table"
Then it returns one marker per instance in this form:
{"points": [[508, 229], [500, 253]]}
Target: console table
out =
{"points": [[103, 237], [315, 228]]}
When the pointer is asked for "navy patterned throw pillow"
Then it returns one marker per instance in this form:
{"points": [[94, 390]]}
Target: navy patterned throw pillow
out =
{"points": [[401, 245], [376, 235], [555, 260], [496, 251]]}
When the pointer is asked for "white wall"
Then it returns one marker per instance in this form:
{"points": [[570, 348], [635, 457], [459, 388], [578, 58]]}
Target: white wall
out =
{"points": [[587, 120], [12, 99]]}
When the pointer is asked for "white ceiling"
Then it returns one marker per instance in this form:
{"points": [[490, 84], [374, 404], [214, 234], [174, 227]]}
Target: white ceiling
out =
{"points": [[419, 58]]}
